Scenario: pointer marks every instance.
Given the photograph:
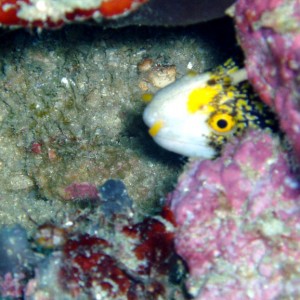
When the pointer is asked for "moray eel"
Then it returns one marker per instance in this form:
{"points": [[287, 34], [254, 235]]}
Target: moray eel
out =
{"points": [[197, 114]]}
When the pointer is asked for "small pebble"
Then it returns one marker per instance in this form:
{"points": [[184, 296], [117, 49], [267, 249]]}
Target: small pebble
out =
{"points": [[145, 65], [162, 76]]}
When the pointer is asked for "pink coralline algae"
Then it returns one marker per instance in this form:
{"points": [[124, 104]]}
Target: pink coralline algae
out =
{"points": [[270, 37], [238, 223]]}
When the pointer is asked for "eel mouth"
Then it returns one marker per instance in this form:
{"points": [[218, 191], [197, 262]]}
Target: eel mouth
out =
{"points": [[185, 147]]}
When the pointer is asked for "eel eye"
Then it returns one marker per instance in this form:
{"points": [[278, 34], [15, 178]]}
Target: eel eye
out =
{"points": [[222, 122]]}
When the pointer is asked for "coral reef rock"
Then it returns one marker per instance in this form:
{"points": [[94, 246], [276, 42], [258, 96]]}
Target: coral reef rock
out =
{"points": [[115, 13], [53, 14], [238, 222], [269, 35]]}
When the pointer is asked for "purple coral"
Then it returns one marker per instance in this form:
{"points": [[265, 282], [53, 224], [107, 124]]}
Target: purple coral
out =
{"points": [[239, 220], [270, 37]]}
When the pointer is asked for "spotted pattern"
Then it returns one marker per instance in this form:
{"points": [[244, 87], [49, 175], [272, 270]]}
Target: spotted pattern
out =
{"points": [[231, 108]]}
